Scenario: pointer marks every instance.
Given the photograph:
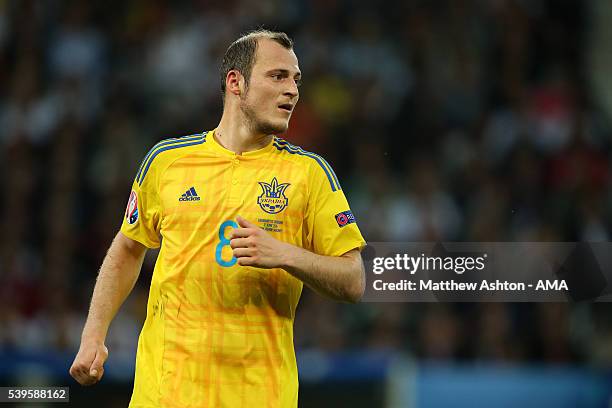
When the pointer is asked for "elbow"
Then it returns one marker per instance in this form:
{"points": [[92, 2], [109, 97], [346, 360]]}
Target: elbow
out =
{"points": [[355, 293], [356, 289]]}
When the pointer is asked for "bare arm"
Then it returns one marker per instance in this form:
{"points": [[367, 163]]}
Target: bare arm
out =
{"points": [[338, 277], [116, 279]]}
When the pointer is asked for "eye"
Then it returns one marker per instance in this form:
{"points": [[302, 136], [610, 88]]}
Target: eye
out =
{"points": [[277, 77], [298, 82]]}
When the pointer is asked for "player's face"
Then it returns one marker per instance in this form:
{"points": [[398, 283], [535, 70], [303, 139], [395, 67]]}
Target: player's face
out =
{"points": [[272, 92]]}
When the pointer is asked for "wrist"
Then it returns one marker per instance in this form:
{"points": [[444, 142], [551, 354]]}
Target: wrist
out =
{"points": [[288, 257], [93, 336]]}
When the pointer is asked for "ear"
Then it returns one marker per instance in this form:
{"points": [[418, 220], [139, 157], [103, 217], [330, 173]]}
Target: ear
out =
{"points": [[234, 82]]}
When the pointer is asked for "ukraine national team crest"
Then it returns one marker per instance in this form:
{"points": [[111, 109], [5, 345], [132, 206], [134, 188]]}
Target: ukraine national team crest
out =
{"points": [[273, 200], [131, 212]]}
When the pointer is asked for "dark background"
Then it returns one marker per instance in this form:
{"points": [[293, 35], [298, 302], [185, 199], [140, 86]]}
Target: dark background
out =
{"points": [[462, 120]]}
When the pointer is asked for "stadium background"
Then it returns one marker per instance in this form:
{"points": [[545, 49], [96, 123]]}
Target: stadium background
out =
{"points": [[444, 120]]}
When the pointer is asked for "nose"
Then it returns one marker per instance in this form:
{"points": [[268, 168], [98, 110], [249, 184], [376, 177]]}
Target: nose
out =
{"points": [[292, 91]]}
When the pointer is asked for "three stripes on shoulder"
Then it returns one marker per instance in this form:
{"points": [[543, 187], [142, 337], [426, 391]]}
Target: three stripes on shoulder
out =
{"points": [[166, 145], [282, 144]]}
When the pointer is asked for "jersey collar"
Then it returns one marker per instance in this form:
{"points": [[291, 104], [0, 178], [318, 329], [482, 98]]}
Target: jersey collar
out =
{"points": [[216, 146]]}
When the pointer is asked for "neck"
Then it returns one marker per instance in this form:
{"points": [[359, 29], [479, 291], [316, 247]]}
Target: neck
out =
{"points": [[234, 134]]}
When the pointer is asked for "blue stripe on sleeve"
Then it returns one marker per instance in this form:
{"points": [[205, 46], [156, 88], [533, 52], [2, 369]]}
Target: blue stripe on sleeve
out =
{"points": [[164, 146], [281, 144], [166, 142]]}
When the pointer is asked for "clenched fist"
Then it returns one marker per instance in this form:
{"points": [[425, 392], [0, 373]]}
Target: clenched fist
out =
{"points": [[88, 365], [255, 247]]}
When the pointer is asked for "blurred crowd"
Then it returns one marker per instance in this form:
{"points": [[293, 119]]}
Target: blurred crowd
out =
{"points": [[452, 120]]}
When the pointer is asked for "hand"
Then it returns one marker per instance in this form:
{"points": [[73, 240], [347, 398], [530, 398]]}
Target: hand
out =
{"points": [[87, 367], [255, 247]]}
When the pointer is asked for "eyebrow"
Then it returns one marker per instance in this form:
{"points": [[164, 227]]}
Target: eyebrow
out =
{"points": [[285, 72]]}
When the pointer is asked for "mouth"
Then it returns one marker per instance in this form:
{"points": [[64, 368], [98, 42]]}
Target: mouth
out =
{"points": [[286, 107]]}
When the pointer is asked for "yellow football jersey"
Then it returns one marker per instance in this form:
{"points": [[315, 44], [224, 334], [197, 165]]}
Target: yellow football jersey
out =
{"points": [[218, 334]]}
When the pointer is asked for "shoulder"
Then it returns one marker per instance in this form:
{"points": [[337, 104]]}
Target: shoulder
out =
{"points": [[166, 151], [316, 166]]}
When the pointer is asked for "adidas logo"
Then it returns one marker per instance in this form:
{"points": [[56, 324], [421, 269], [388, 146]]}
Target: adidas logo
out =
{"points": [[190, 195]]}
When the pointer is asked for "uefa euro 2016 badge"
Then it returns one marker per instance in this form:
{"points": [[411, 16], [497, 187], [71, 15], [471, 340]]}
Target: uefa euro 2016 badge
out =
{"points": [[131, 212], [344, 218], [273, 200]]}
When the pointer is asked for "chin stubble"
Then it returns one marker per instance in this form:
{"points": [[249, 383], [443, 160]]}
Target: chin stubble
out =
{"points": [[258, 125]]}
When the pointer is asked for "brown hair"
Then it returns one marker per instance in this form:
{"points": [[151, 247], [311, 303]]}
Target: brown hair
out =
{"points": [[240, 55]]}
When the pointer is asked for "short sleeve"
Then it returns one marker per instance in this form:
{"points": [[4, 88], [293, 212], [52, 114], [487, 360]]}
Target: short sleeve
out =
{"points": [[142, 218], [330, 227]]}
